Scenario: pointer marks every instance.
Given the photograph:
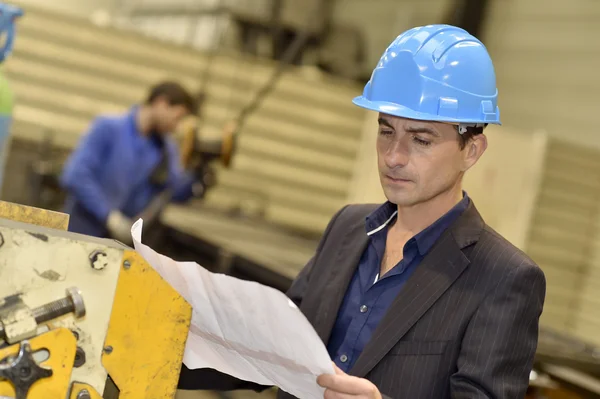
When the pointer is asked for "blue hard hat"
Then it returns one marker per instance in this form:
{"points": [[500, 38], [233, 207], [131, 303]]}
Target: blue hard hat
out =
{"points": [[8, 15], [434, 73]]}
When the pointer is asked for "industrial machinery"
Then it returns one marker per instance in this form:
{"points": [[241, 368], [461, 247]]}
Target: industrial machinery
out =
{"points": [[198, 155], [81, 317], [8, 15]]}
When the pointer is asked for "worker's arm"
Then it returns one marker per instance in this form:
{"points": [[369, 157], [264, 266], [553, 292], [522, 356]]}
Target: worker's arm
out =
{"points": [[209, 379], [501, 339], [79, 174]]}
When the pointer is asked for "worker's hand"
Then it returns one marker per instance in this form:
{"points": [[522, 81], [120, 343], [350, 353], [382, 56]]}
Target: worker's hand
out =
{"points": [[119, 227], [344, 386]]}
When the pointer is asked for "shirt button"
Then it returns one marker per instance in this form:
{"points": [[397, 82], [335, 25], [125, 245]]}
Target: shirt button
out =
{"points": [[363, 309], [343, 358]]}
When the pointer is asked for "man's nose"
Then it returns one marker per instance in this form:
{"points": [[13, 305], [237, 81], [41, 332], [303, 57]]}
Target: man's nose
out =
{"points": [[397, 154]]}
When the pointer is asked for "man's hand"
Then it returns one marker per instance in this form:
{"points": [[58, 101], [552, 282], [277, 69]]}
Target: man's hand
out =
{"points": [[119, 227], [344, 386]]}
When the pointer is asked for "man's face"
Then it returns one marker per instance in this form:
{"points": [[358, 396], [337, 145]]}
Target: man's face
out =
{"points": [[420, 160], [166, 117]]}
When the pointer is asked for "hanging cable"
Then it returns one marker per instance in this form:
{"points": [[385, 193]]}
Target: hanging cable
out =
{"points": [[152, 212], [288, 56]]}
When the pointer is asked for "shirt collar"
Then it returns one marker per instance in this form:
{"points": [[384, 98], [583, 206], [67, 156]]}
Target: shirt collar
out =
{"points": [[379, 220]]}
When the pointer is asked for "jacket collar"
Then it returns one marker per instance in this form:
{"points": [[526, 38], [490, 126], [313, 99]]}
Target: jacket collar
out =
{"points": [[436, 273]]}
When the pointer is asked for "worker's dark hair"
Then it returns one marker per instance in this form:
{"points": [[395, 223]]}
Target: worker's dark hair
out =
{"points": [[471, 132], [175, 94]]}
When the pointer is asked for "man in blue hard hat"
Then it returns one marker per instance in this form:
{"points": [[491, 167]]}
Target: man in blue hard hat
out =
{"points": [[418, 297], [124, 161]]}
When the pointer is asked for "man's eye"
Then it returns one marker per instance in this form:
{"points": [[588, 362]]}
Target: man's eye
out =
{"points": [[420, 141], [386, 132]]}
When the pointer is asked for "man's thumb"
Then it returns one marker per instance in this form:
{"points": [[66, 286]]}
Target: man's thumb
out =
{"points": [[337, 370]]}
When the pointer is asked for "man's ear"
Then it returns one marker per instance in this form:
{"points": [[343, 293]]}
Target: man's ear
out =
{"points": [[474, 149]]}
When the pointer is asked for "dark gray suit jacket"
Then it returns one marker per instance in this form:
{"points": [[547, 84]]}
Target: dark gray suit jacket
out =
{"points": [[465, 325]]}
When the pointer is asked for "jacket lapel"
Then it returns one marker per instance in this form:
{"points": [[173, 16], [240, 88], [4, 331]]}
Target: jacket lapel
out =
{"points": [[436, 273], [338, 279]]}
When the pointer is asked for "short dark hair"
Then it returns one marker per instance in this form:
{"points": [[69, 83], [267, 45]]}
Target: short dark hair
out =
{"points": [[174, 94], [471, 132]]}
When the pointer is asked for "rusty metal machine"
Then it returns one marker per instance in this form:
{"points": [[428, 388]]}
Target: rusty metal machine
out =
{"points": [[81, 317]]}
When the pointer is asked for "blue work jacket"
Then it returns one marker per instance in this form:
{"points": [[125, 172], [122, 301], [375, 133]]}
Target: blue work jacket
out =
{"points": [[111, 170]]}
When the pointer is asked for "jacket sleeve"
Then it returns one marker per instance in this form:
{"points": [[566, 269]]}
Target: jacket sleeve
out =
{"points": [[209, 379], [79, 174], [500, 341], [181, 181]]}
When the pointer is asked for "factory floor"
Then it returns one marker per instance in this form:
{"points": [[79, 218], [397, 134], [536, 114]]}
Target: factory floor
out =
{"points": [[270, 394]]}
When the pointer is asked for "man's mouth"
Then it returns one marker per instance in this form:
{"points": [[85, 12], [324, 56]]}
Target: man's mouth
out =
{"points": [[397, 179]]}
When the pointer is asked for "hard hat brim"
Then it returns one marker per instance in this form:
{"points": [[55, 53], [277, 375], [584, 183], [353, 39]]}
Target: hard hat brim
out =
{"points": [[405, 112]]}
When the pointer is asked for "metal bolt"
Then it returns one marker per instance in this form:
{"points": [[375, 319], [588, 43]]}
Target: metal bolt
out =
{"points": [[73, 303], [108, 350], [98, 260], [84, 394], [126, 265], [25, 372], [79, 357]]}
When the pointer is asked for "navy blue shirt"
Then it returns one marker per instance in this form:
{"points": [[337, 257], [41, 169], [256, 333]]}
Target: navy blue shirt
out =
{"points": [[368, 297]]}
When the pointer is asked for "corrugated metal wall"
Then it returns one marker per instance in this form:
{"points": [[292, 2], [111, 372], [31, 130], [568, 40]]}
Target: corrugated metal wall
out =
{"points": [[82, 8], [547, 56], [379, 21], [297, 151], [200, 31], [564, 238]]}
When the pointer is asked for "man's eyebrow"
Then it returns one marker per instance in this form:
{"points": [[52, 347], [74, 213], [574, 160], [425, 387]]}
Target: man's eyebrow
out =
{"points": [[384, 122], [422, 129]]}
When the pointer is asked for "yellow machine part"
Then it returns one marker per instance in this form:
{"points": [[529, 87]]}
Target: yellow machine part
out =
{"points": [[31, 215], [61, 345], [146, 337]]}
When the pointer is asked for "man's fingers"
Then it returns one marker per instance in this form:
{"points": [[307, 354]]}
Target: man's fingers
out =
{"points": [[329, 394], [338, 371], [341, 383], [324, 380]]}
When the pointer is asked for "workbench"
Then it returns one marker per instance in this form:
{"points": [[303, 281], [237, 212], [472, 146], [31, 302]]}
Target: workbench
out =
{"points": [[243, 247]]}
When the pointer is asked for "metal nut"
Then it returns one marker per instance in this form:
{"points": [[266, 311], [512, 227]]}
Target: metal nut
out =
{"points": [[108, 349], [99, 260], [74, 294], [84, 394], [126, 265], [79, 357]]}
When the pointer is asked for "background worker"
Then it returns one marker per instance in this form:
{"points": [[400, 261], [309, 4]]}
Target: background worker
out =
{"points": [[418, 297], [124, 161]]}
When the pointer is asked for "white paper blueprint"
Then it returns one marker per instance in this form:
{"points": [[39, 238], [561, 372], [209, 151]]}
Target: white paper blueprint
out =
{"points": [[244, 329]]}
